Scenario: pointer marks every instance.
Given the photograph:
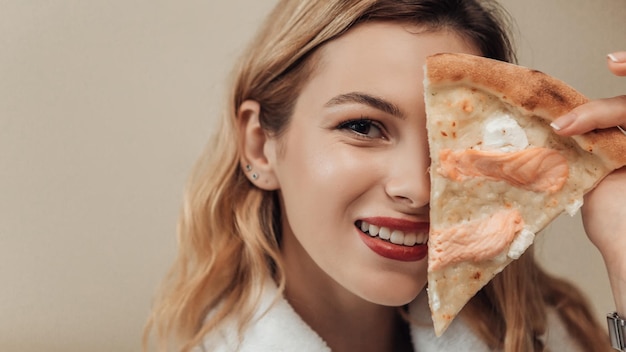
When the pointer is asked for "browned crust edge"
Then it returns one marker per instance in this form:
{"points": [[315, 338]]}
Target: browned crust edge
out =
{"points": [[529, 90]]}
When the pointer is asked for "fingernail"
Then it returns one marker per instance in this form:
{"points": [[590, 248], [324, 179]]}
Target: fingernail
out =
{"points": [[617, 57], [563, 121]]}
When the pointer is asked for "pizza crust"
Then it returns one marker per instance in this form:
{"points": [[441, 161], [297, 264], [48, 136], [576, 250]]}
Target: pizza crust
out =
{"points": [[531, 90]]}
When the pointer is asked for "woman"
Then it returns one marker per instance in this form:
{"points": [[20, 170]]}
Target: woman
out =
{"points": [[324, 129]]}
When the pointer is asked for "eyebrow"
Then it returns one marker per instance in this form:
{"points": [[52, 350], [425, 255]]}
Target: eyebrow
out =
{"points": [[369, 100]]}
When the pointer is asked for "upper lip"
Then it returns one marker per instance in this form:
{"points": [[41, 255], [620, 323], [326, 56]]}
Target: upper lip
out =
{"points": [[398, 224]]}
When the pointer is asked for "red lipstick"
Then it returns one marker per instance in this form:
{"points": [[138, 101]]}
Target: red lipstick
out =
{"points": [[394, 251]]}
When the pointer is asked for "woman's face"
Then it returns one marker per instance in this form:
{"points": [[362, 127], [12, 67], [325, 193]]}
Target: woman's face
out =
{"points": [[355, 155]]}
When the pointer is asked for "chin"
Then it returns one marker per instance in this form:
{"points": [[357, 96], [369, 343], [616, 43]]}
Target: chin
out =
{"points": [[393, 294]]}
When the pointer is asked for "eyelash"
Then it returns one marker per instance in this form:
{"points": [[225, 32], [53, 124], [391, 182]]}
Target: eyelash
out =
{"points": [[346, 125]]}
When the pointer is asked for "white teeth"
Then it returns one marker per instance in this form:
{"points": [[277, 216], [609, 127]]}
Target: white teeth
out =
{"points": [[393, 236], [397, 237], [409, 240], [365, 226], [384, 233]]}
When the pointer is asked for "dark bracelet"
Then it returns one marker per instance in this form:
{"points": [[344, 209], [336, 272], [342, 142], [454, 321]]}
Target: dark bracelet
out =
{"points": [[617, 331]]}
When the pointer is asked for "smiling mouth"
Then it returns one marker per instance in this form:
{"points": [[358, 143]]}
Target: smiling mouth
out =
{"points": [[398, 237]]}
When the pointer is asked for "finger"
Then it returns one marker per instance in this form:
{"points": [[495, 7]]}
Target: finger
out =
{"points": [[617, 63], [596, 114]]}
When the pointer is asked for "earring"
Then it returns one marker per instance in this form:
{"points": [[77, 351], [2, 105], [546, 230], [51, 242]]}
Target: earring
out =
{"points": [[254, 174]]}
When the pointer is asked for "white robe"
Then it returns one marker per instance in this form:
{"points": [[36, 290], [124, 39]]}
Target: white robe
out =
{"points": [[278, 328]]}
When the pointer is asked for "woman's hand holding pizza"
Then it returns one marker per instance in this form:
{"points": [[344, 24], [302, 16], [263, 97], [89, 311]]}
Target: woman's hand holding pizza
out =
{"points": [[601, 113], [604, 212]]}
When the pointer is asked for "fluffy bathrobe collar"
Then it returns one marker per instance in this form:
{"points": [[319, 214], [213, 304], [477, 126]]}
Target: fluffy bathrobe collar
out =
{"points": [[276, 327]]}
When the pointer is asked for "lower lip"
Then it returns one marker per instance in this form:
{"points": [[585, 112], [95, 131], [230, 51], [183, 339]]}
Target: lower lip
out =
{"points": [[394, 251]]}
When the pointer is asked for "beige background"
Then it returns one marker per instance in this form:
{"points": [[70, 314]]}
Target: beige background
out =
{"points": [[104, 105]]}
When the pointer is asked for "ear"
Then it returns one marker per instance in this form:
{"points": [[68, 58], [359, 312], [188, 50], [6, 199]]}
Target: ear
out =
{"points": [[258, 149]]}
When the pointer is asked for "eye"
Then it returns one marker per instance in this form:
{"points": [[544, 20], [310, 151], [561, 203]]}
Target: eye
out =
{"points": [[364, 128]]}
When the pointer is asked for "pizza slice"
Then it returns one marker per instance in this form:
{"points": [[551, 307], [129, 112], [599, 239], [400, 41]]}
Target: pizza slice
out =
{"points": [[499, 174]]}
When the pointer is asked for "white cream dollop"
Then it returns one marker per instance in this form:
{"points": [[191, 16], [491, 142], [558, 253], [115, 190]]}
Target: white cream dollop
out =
{"points": [[519, 245], [502, 133], [572, 208]]}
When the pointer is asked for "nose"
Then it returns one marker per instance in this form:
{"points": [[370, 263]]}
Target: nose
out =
{"points": [[408, 178]]}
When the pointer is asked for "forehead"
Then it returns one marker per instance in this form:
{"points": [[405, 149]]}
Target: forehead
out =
{"points": [[381, 57]]}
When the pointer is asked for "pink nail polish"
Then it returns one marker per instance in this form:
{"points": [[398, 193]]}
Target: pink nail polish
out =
{"points": [[563, 121], [618, 58]]}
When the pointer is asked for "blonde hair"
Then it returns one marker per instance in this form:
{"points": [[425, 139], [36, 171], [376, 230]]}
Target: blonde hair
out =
{"points": [[229, 230], [510, 313]]}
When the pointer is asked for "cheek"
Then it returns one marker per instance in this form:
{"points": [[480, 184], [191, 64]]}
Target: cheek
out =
{"points": [[341, 170], [332, 165], [320, 178]]}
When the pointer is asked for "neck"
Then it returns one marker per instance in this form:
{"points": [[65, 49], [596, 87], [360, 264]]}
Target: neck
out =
{"points": [[343, 320], [349, 325]]}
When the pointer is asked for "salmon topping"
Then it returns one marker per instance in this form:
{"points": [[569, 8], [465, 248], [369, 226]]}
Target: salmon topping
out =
{"points": [[535, 169], [475, 240]]}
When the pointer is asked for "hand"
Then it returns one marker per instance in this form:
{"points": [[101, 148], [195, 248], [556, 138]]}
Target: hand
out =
{"points": [[604, 212], [601, 113], [604, 219]]}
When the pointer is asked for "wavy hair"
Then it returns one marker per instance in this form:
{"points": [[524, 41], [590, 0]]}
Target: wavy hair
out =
{"points": [[229, 230]]}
